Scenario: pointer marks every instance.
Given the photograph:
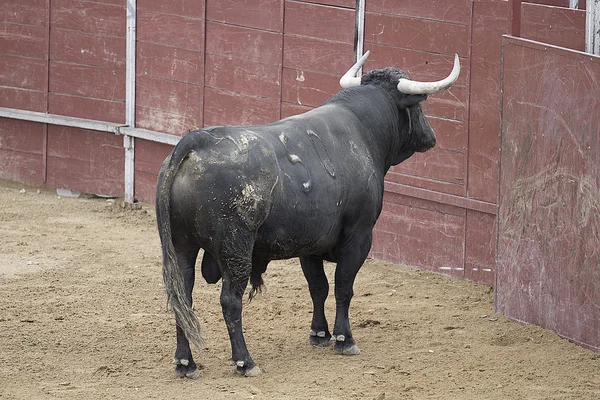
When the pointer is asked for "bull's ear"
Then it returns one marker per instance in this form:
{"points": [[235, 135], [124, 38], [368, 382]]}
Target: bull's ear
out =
{"points": [[411, 100]]}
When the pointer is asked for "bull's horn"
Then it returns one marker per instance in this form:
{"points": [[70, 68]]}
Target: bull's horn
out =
{"points": [[349, 79], [407, 86]]}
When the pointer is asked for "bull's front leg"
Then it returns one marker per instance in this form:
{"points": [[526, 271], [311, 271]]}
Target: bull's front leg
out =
{"points": [[319, 289], [351, 256]]}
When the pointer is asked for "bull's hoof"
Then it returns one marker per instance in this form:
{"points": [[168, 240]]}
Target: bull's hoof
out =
{"points": [[185, 369], [321, 338], [252, 371], [345, 346]]}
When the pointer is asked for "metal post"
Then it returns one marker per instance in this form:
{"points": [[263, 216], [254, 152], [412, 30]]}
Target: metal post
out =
{"points": [[592, 27], [574, 4], [359, 31], [128, 141]]}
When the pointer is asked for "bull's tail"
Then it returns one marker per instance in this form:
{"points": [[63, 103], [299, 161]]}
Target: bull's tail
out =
{"points": [[172, 277]]}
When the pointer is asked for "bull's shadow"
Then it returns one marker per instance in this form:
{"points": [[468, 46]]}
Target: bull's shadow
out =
{"points": [[308, 186]]}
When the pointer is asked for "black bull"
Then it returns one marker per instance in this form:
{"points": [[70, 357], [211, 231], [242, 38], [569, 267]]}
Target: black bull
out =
{"points": [[308, 186]]}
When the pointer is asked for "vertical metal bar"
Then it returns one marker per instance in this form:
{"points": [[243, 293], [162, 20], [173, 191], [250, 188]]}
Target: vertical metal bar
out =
{"points": [[128, 141], [359, 35], [592, 27], [574, 4], [46, 95], [516, 18]]}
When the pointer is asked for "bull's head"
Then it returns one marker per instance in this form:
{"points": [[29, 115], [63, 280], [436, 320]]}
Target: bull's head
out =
{"points": [[407, 94]]}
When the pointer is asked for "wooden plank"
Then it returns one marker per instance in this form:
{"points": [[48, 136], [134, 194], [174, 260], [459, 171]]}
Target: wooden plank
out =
{"points": [[456, 11], [336, 3], [27, 12], [23, 40], [242, 76], [22, 72], [86, 161], [243, 43], [169, 63], [308, 54], [319, 21], [308, 88], [84, 107], [230, 108], [404, 234], [554, 25], [490, 21], [148, 159], [87, 81], [188, 8], [25, 99], [168, 122], [450, 104], [417, 34], [451, 135], [170, 96], [480, 247], [82, 48], [259, 14], [168, 30], [88, 17]]}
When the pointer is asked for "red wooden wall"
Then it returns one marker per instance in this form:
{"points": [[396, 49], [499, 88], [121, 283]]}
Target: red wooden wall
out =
{"points": [[549, 236], [220, 62]]}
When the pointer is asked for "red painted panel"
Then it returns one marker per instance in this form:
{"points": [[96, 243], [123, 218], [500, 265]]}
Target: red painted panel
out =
{"points": [[82, 48], [555, 25], [451, 104], [148, 159], [25, 73], [557, 3], [21, 146], [88, 17], [419, 65], [170, 30], [243, 43], [229, 108], [30, 12], [23, 40], [436, 169], [87, 81], [164, 121], [308, 88], [549, 217], [242, 76], [417, 34], [25, 99], [288, 110], [189, 8], [480, 247], [83, 107], [87, 161], [337, 3], [171, 96], [260, 14], [412, 232], [458, 11], [315, 55], [450, 134], [170, 63], [318, 21], [490, 21]]}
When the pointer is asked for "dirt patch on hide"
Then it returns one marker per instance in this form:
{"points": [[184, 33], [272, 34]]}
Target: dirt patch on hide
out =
{"points": [[82, 315]]}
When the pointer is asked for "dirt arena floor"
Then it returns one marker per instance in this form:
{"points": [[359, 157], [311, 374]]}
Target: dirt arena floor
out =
{"points": [[82, 316]]}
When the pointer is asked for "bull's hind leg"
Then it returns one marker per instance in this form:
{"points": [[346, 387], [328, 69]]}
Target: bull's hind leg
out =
{"points": [[352, 255], [237, 259], [186, 258], [319, 289]]}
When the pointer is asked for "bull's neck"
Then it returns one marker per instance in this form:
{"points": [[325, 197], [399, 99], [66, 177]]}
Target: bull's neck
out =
{"points": [[379, 120]]}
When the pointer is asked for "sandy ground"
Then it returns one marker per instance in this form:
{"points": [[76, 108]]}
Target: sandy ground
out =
{"points": [[82, 315]]}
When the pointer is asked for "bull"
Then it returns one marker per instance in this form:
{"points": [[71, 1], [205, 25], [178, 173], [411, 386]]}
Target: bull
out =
{"points": [[308, 186]]}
